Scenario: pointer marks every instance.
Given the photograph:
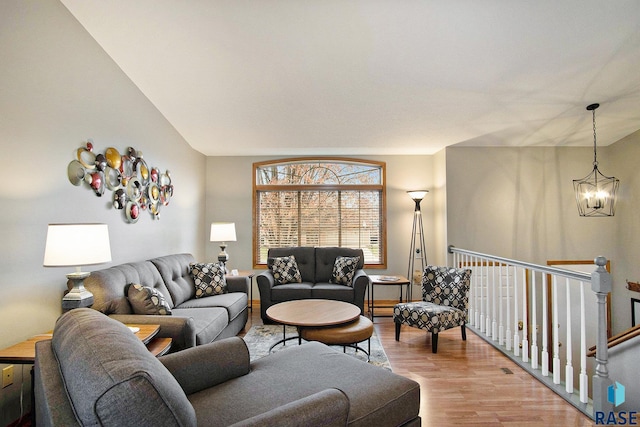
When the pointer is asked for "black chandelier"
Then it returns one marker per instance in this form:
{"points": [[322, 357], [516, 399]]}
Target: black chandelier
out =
{"points": [[596, 193]]}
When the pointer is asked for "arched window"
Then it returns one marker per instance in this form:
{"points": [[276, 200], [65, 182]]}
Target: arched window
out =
{"points": [[320, 202]]}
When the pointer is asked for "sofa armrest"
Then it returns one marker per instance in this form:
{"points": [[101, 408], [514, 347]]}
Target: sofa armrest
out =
{"points": [[360, 279], [53, 407], [265, 280], [181, 330], [329, 407], [205, 366], [360, 283], [238, 283]]}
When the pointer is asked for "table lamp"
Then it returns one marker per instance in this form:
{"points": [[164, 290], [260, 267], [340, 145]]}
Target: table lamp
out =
{"points": [[75, 245], [223, 232]]}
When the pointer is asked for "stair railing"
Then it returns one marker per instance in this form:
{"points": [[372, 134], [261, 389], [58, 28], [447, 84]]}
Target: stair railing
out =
{"points": [[501, 286]]}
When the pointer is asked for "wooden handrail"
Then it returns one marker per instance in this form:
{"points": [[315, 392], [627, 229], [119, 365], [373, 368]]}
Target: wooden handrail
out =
{"points": [[617, 339]]}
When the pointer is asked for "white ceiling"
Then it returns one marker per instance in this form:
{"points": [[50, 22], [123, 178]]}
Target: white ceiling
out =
{"points": [[339, 77]]}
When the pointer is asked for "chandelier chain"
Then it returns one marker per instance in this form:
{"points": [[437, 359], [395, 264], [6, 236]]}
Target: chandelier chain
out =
{"points": [[595, 154]]}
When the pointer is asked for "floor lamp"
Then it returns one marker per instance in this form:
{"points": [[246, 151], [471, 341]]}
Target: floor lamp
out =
{"points": [[418, 252]]}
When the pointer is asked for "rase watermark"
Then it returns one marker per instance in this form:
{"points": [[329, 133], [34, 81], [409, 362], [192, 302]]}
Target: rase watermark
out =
{"points": [[615, 395]]}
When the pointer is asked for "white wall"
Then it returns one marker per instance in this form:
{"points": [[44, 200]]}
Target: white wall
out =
{"points": [[440, 212], [624, 156], [57, 88], [519, 203], [230, 198]]}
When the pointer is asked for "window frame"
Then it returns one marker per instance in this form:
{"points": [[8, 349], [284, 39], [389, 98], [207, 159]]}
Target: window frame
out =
{"points": [[382, 188]]}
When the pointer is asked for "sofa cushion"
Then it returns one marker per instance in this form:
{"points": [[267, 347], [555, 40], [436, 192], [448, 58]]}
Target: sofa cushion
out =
{"points": [[285, 270], [332, 291], [147, 300], [209, 321], [234, 302], [344, 268], [377, 397], [305, 258], [326, 258], [176, 274], [208, 279], [291, 291], [108, 285], [105, 369]]}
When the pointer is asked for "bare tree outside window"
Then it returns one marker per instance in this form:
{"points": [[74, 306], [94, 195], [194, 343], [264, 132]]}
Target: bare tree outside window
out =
{"points": [[320, 202]]}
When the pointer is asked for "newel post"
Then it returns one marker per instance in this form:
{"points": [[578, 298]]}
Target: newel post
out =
{"points": [[601, 285]]}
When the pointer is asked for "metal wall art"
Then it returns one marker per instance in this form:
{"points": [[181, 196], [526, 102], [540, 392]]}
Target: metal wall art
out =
{"points": [[135, 186]]}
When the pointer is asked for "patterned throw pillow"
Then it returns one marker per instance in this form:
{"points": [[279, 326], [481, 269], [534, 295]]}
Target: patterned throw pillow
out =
{"points": [[147, 300], [209, 279], [285, 270], [344, 269]]}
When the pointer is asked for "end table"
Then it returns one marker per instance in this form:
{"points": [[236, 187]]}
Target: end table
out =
{"points": [[380, 280], [249, 274]]}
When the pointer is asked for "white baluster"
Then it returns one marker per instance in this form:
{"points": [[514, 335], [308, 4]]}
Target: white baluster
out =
{"points": [[494, 320], [488, 312], [483, 294], [508, 333], [478, 291], [516, 335], [500, 304], [569, 367], [545, 326], [555, 325], [525, 320], [534, 333], [472, 290], [584, 380]]}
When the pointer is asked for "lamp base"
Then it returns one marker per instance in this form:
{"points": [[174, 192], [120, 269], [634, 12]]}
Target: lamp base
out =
{"points": [[223, 257], [78, 296]]}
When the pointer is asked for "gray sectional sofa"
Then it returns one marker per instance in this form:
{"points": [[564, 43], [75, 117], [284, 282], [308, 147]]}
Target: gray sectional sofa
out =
{"points": [[316, 268], [193, 321], [94, 371]]}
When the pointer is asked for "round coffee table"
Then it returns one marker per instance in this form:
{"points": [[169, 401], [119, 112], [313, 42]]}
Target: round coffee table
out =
{"points": [[310, 313], [345, 335]]}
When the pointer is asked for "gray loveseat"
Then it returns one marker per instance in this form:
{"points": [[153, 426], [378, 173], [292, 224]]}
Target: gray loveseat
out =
{"points": [[316, 269], [94, 371], [193, 321]]}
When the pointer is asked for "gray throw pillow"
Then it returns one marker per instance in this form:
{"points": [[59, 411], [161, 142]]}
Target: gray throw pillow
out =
{"points": [[285, 270], [147, 300], [209, 279], [344, 269]]}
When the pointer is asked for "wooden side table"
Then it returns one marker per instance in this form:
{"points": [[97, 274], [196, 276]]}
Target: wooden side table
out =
{"points": [[25, 352], [159, 346], [379, 280], [249, 274], [147, 334]]}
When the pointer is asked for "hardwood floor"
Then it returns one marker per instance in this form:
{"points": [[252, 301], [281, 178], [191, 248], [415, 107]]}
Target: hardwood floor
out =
{"points": [[469, 382]]}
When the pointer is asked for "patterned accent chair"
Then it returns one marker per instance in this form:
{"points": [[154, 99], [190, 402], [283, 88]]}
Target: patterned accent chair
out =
{"points": [[444, 305]]}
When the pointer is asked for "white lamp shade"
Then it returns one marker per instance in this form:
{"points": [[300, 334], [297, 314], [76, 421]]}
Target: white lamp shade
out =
{"points": [[223, 232], [72, 245], [417, 194]]}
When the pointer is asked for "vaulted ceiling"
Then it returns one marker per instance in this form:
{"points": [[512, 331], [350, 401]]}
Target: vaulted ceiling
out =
{"points": [[339, 77]]}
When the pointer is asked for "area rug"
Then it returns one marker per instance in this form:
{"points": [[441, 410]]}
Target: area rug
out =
{"points": [[261, 337]]}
